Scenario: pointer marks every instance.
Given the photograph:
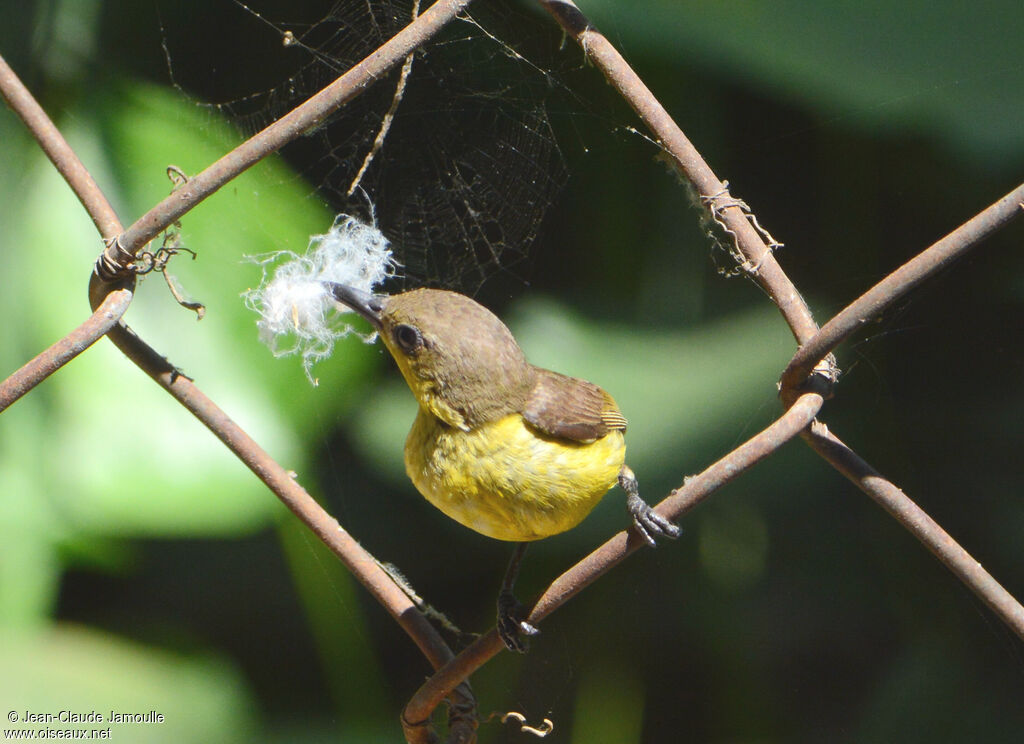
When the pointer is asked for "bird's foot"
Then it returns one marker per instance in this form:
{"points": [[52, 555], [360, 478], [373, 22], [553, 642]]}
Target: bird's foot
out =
{"points": [[648, 523], [511, 625]]}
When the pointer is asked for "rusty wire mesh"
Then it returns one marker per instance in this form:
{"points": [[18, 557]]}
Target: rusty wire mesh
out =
{"points": [[808, 381]]}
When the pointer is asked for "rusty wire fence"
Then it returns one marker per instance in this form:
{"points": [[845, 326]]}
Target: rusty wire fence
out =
{"points": [[808, 381]]}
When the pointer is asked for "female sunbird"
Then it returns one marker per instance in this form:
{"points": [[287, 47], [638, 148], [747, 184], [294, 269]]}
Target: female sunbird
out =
{"points": [[505, 448]]}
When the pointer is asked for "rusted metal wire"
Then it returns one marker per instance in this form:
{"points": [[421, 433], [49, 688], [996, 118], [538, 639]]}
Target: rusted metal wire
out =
{"points": [[361, 563], [762, 266], [759, 261], [67, 163], [804, 395], [106, 316], [301, 119], [694, 490], [618, 548], [308, 115], [919, 524], [64, 159], [888, 291], [109, 299], [749, 237]]}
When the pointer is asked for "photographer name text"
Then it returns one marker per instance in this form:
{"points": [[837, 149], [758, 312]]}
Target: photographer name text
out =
{"points": [[92, 716]]}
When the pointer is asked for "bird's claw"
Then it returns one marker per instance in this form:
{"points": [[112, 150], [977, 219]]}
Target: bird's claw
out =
{"points": [[649, 523], [511, 627]]}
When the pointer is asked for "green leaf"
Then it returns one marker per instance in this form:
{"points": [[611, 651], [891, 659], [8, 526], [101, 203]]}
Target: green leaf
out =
{"points": [[945, 69], [69, 668], [100, 449]]}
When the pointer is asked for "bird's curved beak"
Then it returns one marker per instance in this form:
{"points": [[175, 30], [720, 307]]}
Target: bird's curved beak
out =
{"points": [[368, 305]]}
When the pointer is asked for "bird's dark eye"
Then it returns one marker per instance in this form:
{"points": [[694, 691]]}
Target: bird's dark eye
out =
{"points": [[408, 338]]}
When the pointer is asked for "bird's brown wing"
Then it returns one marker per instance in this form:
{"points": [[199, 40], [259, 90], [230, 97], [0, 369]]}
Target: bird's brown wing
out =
{"points": [[571, 408]]}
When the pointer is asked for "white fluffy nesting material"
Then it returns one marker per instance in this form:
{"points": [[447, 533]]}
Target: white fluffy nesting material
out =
{"points": [[298, 314]]}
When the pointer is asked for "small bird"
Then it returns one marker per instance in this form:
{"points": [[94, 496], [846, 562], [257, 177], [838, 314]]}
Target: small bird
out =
{"points": [[513, 451]]}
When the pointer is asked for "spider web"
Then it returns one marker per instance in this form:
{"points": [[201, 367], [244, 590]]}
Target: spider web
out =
{"points": [[470, 163]]}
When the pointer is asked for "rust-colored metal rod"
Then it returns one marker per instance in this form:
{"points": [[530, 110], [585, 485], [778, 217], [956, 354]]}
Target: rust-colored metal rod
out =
{"points": [[763, 266], [58, 151], [67, 163], [108, 303], [694, 490], [301, 119], [324, 526], [919, 524], [897, 284], [107, 313]]}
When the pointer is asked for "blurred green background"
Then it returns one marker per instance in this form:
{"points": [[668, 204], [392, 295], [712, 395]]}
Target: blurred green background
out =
{"points": [[142, 567]]}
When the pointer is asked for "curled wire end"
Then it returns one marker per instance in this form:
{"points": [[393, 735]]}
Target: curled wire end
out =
{"points": [[114, 262], [545, 728], [177, 176]]}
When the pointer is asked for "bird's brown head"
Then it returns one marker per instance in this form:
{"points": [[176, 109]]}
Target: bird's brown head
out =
{"points": [[459, 359]]}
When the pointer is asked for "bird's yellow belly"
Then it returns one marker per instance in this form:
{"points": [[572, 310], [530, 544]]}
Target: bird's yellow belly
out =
{"points": [[508, 481]]}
